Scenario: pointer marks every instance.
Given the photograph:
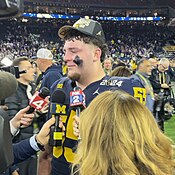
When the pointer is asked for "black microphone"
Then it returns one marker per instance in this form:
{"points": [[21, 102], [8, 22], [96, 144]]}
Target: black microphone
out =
{"points": [[38, 100], [78, 61], [57, 108], [8, 85], [77, 100]]}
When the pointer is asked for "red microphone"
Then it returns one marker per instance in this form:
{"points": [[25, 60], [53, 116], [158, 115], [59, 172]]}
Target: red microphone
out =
{"points": [[77, 100], [38, 100]]}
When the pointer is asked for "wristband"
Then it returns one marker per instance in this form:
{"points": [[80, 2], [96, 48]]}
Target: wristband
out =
{"points": [[40, 146]]}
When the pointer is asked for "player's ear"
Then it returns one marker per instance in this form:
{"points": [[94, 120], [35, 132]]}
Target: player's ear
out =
{"points": [[97, 54]]}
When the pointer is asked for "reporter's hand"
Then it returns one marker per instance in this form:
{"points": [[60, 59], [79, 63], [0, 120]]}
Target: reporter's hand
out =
{"points": [[76, 125], [15, 173], [21, 118], [43, 136]]}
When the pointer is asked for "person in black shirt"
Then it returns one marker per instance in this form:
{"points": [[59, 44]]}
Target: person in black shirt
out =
{"points": [[160, 81]]}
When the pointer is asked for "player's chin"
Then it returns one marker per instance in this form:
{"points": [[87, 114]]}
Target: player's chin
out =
{"points": [[73, 76]]}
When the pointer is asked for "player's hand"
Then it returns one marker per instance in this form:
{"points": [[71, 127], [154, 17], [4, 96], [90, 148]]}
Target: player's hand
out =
{"points": [[76, 126], [61, 125]]}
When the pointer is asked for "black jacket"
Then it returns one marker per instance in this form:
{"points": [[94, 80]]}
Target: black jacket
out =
{"points": [[154, 79], [16, 102]]}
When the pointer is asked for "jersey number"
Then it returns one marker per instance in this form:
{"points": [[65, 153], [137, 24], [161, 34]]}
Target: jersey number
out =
{"points": [[140, 93]]}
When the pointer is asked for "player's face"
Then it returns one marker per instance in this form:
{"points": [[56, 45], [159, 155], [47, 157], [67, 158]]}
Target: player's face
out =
{"points": [[85, 52]]}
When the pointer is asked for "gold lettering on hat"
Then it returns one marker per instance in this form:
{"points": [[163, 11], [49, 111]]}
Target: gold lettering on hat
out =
{"points": [[81, 23], [99, 33]]}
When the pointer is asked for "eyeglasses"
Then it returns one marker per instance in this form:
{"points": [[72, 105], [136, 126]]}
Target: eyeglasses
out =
{"points": [[164, 67]]}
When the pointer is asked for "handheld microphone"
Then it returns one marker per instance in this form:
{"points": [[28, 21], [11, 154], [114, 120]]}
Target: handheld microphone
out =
{"points": [[77, 100], [78, 61], [57, 108], [38, 100], [8, 85]]}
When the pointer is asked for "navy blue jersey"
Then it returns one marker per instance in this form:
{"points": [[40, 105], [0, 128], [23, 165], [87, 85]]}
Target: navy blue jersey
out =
{"points": [[52, 74], [64, 155]]}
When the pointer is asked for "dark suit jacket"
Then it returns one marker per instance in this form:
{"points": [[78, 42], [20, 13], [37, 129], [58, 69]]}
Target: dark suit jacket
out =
{"points": [[22, 151]]}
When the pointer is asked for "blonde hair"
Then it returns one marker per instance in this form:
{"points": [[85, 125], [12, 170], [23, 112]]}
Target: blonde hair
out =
{"points": [[120, 137]]}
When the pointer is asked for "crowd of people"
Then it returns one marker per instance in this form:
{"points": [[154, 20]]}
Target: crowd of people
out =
{"points": [[111, 136], [125, 40]]}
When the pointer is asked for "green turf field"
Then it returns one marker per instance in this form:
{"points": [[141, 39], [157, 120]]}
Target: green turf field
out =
{"points": [[170, 128]]}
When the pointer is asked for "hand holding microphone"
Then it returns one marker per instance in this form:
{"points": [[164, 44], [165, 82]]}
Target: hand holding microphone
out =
{"points": [[76, 126], [77, 102], [45, 108], [21, 119], [43, 136]]}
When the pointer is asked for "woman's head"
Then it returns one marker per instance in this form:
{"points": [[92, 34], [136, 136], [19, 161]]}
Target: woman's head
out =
{"points": [[121, 71], [107, 63], [120, 136]]}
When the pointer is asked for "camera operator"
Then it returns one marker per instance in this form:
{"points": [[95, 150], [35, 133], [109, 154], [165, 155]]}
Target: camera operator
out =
{"points": [[160, 81]]}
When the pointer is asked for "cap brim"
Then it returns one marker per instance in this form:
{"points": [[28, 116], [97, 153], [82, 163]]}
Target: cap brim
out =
{"points": [[63, 31]]}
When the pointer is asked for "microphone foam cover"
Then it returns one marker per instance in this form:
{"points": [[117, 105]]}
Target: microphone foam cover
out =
{"points": [[8, 85], [58, 96], [44, 92]]}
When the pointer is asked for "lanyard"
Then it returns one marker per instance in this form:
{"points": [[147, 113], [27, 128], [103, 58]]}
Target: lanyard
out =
{"points": [[148, 84], [162, 78]]}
